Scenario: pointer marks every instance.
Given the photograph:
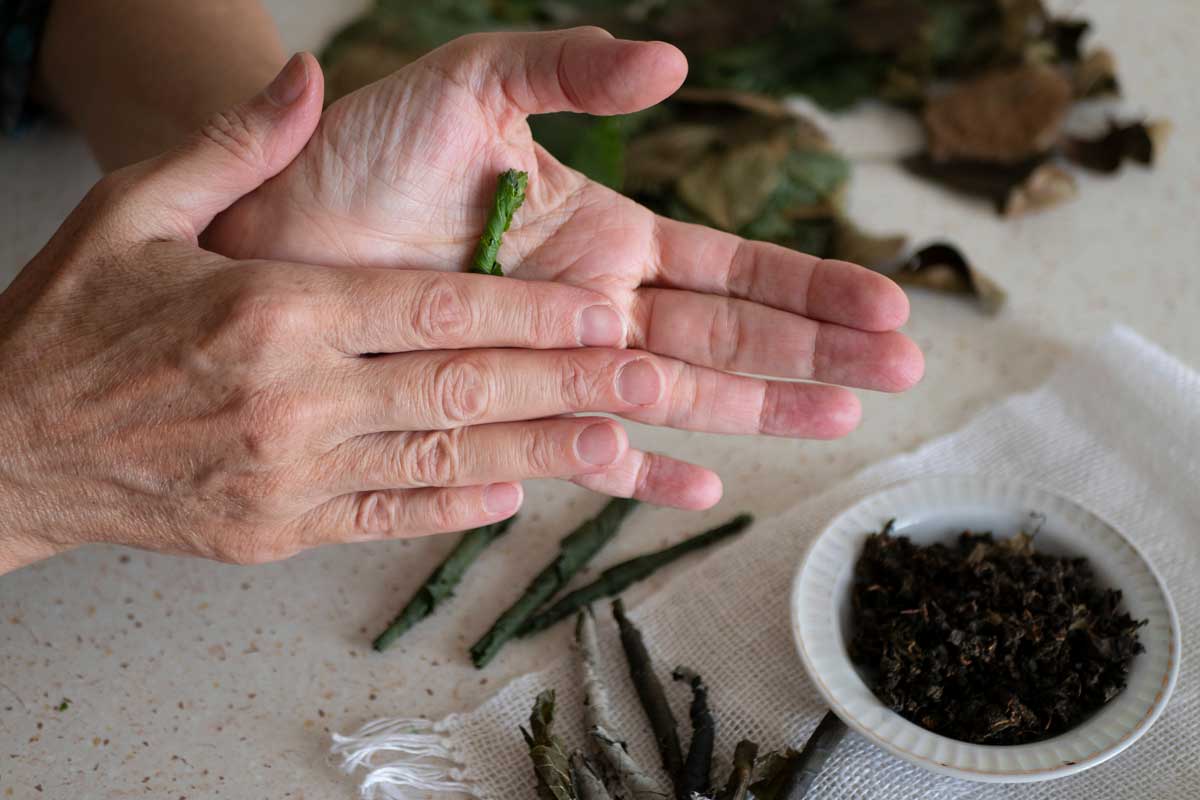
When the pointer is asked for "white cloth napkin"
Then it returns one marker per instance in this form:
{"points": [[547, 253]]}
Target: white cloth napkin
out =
{"points": [[1117, 429]]}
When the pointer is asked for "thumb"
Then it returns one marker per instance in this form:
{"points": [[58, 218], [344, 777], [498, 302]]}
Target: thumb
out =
{"points": [[234, 153], [578, 69]]}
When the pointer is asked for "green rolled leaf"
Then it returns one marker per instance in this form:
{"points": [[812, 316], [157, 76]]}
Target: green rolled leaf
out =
{"points": [[510, 194], [620, 577], [440, 584], [575, 551]]}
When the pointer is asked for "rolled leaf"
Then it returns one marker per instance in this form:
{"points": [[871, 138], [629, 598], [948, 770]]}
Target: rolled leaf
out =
{"points": [[790, 776], [574, 552], [587, 783], [510, 194], [742, 773], [697, 767], [653, 699], [620, 577], [550, 762], [442, 581], [624, 777]]}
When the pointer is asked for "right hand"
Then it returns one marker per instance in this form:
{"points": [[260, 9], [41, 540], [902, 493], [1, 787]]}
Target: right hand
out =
{"points": [[161, 396]]}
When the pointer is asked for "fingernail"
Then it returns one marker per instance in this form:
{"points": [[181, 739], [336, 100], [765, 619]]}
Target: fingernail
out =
{"points": [[599, 326], [290, 83], [501, 498], [598, 445], [638, 383]]}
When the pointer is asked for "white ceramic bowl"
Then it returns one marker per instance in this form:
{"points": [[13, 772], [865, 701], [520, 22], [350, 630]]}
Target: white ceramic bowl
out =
{"points": [[935, 509]]}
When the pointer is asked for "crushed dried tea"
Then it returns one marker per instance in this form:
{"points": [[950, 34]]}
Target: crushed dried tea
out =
{"points": [[987, 641]]}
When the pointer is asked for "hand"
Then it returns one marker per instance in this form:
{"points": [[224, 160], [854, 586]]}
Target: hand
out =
{"points": [[401, 173], [165, 397]]}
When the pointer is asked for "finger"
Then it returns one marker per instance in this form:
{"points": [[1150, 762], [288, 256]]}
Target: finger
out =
{"points": [[742, 336], [441, 311], [702, 399], [435, 391], [441, 390], [552, 448], [701, 259], [232, 155], [580, 69], [405, 513], [656, 479]]}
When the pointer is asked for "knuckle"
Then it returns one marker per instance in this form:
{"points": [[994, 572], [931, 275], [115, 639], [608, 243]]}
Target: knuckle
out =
{"points": [[543, 451], [577, 382], [445, 511], [461, 391], [432, 458], [261, 312], [443, 314], [724, 335], [377, 512], [231, 131]]}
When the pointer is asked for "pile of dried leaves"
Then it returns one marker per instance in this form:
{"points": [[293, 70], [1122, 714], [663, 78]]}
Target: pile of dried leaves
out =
{"points": [[988, 641], [993, 81], [605, 770]]}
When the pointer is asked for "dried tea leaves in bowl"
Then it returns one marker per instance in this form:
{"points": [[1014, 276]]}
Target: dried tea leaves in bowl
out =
{"points": [[987, 641]]}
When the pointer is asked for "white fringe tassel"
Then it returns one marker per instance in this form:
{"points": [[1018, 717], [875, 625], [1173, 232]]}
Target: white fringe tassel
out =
{"points": [[423, 761]]}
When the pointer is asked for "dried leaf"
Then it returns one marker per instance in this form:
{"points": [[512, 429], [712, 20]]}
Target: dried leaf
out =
{"points": [[1048, 185], [1137, 141], [1012, 189], [587, 783], [1005, 116], [737, 787], [731, 188], [1096, 75], [550, 762], [941, 267], [624, 777], [655, 160], [852, 243]]}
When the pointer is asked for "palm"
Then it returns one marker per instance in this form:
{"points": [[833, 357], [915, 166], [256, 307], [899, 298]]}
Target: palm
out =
{"points": [[400, 174]]}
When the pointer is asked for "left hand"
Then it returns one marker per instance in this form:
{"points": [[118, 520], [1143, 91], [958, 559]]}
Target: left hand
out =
{"points": [[401, 174]]}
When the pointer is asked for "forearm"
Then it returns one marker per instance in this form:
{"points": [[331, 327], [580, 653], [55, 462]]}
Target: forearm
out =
{"points": [[137, 75]]}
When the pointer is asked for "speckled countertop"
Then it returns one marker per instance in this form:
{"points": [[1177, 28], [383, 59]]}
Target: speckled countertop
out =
{"points": [[186, 679]]}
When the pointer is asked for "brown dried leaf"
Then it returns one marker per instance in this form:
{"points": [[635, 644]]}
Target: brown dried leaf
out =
{"points": [[1096, 75], [1138, 141], [1005, 116], [941, 267], [1048, 185], [852, 243], [747, 101]]}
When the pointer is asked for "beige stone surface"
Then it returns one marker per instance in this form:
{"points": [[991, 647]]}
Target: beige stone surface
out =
{"points": [[197, 680]]}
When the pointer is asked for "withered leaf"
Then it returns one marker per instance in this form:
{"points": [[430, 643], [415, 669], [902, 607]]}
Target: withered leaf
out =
{"points": [[1066, 34], [658, 158], [1136, 141], [1048, 185], [1013, 189], [550, 762], [1096, 75], [852, 243], [1005, 116], [941, 267]]}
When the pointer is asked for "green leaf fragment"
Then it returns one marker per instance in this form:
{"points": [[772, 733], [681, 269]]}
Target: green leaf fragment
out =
{"points": [[510, 194]]}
